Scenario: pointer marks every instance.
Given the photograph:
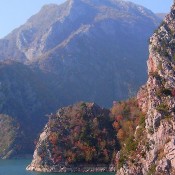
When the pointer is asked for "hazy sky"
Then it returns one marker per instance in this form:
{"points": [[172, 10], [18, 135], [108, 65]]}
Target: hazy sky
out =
{"points": [[13, 13]]}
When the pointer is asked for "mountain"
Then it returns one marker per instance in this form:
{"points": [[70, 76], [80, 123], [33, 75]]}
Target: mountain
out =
{"points": [[22, 89], [11, 136], [75, 138], [26, 98], [82, 50], [97, 49], [161, 15], [155, 151]]}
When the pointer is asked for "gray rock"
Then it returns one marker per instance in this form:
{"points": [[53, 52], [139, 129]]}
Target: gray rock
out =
{"points": [[158, 105]]}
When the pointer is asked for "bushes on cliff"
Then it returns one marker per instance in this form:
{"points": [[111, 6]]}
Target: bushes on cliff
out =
{"points": [[127, 116], [82, 133]]}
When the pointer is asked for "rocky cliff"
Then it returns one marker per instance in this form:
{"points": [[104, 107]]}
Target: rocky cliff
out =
{"points": [[77, 138], [155, 153]]}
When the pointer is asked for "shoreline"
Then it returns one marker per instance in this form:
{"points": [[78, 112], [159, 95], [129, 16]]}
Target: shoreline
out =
{"points": [[72, 169]]}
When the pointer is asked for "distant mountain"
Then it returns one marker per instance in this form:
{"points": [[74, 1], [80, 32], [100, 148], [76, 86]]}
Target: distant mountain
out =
{"points": [[98, 49], [161, 15], [25, 97], [82, 50]]}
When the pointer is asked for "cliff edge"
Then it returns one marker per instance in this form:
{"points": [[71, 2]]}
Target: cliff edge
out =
{"points": [[155, 153]]}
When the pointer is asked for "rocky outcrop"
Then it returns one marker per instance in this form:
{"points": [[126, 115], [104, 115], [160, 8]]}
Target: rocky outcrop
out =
{"points": [[155, 152], [78, 138]]}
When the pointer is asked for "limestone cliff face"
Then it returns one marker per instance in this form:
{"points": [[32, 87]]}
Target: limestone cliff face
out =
{"points": [[156, 155]]}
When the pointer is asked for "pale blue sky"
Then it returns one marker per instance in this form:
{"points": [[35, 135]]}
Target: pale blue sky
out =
{"points": [[14, 13]]}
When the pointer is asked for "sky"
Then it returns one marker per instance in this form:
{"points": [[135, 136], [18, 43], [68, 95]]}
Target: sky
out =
{"points": [[14, 13]]}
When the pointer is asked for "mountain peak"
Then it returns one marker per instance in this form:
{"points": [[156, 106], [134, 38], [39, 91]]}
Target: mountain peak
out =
{"points": [[78, 35], [44, 31]]}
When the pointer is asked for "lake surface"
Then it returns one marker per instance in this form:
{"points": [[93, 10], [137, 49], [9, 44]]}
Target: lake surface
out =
{"points": [[17, 167]]}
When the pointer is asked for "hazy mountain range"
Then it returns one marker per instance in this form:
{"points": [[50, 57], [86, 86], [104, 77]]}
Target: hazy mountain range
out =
{"points": [[81, 50]]}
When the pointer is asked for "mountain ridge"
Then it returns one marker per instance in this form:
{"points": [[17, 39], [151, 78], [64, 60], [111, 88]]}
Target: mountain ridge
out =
{"points": [[59, 13], [82, 36]]}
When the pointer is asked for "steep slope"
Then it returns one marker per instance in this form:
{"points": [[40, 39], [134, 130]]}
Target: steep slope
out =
{"points": [[11, 137], [76, 138], [155, 152], [96, 48], [25, 96], [21, 87]]}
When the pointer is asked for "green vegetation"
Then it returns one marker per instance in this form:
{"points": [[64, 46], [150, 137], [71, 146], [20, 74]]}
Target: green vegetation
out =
{"points": [[152, 170], [160, 66], [163, 108], [122, 160], [131, 144]]}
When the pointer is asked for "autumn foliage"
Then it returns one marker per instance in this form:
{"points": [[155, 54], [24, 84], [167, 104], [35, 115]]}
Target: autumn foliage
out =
{"points": [[82, 133], [126, 117]]}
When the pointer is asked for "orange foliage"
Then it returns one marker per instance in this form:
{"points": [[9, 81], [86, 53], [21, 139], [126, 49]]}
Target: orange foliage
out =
{"points": [[53, 138], [71, 157], [119, 117], [121, 134], [89, 152], [116, 125]]}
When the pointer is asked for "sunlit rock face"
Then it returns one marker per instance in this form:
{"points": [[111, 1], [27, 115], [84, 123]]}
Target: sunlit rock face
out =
{"points": [[157, 100]]}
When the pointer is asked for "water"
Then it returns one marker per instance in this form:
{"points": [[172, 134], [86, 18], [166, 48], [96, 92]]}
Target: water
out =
{"points": [[17, 167]]}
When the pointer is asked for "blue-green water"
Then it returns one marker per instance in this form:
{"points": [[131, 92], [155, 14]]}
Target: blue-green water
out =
{"points": [[17, 167]]}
